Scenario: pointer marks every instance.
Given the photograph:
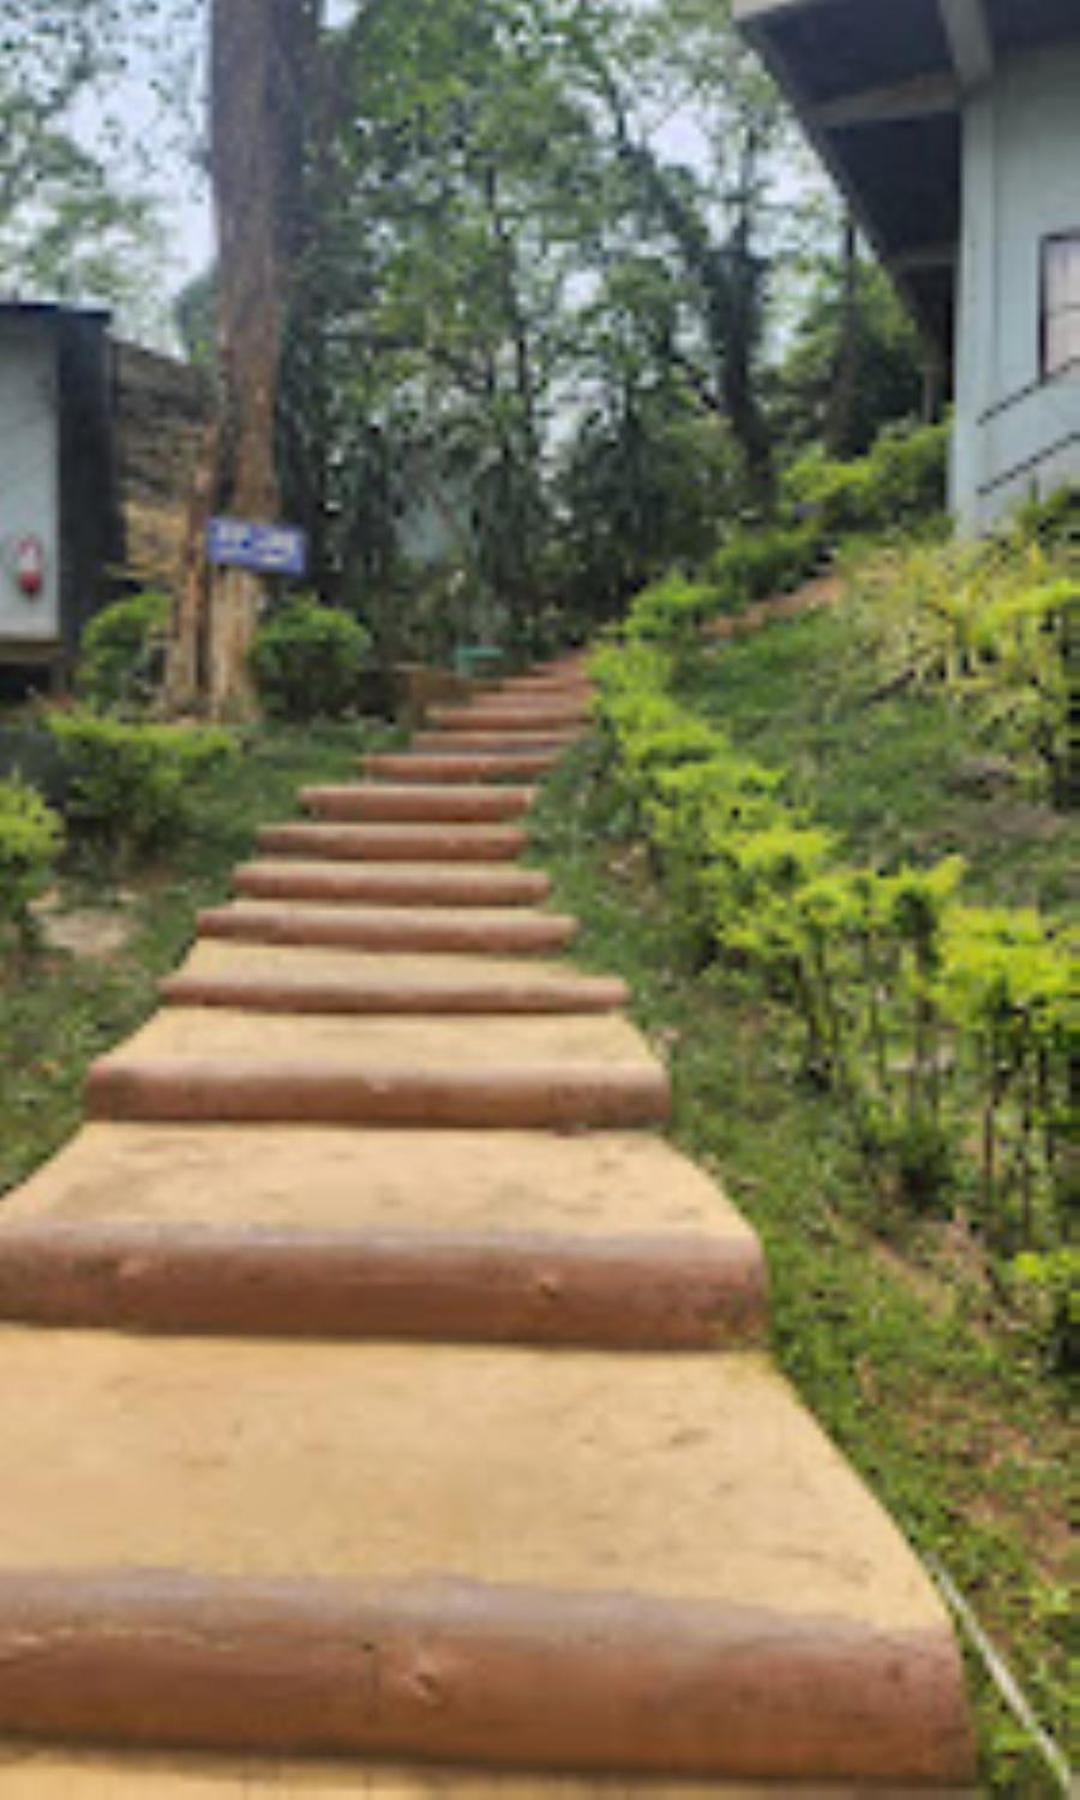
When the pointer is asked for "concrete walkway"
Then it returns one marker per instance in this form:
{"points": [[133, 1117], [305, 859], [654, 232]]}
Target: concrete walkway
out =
{"points": [[380, 1386]]}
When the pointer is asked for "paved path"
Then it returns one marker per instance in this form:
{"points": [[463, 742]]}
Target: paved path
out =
{"points": [[380, 1386]]}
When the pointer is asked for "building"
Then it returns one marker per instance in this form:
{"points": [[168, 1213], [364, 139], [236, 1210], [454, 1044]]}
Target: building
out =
{"points": [[953, 127], [60, 529], [98, 443]]}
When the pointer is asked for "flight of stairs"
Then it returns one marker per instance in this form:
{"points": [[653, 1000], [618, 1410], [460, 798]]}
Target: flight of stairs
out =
{"points": [[386, 1407]]}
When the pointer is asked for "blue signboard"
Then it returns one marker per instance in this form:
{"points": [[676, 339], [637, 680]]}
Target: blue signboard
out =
{"points": [[268, 549]]}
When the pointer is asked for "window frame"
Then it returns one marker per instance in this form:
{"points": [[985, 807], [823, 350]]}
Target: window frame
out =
{"points": [[1047, 244]]}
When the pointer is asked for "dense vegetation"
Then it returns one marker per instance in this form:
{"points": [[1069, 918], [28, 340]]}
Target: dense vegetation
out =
{"points": [[883, 1315], [936, 1010]]}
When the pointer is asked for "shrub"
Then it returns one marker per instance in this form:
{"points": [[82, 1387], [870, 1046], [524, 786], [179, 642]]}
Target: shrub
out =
{"points": [[901, 481], [121, 652], [994, 624], [129, 787], [31, 838], [308, 660], [938, 1025]]}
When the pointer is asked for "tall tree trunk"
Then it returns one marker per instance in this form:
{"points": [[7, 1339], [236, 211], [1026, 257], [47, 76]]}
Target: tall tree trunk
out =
{"points": [[840, 436], [260, 58]]}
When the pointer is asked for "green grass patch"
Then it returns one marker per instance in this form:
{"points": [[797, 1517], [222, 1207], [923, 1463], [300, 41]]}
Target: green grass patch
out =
{"points": [[59, 1010], [901, 775], [942, 1406]]}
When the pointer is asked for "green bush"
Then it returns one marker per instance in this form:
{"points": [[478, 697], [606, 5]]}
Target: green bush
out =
{"points": [[938, 1025], [308, 660], [749, 566], [901, 481], [121, 653], [1055, 521], [994, 624], [31, 838], [130, 787], [755, 565]]}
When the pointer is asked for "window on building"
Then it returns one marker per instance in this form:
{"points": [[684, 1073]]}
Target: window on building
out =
{"points": [[1061, 305]]}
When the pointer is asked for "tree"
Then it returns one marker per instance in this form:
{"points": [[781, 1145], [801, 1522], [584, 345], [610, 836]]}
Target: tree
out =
{"points": [[67, 229], [855, 361], [262, 56]]}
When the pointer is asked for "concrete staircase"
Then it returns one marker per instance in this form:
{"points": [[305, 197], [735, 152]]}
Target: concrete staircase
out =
{"points": [[386, 1408]]}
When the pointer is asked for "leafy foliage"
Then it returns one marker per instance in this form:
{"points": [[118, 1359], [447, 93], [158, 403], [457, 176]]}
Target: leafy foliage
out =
{"points": [[132, 787], [31, 838], [993, 625], [308, 661], [928, 1018], [121, 650], [899, 482]]}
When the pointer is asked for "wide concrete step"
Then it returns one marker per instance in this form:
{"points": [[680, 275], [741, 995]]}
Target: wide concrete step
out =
{"points": [[212, 1064], [510, 930], [394, 843], [640, 1564], [462, 766], [493, 741], [501, 714], [598, 1240], [392, 884], [303, 979], [40, 1772], [463, 803]]}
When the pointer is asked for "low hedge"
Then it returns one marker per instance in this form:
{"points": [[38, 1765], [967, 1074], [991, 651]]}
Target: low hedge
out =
{"points": [[309, 661], [31, 839], [131, 787], [937, 1024]]}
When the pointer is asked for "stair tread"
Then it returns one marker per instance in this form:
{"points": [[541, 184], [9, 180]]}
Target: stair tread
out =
{"points": [[351, 1462], [437, 978], [573, 1041], [414, 880], [488, 929], [593, 1186], [28, 1772], [397, 841]]}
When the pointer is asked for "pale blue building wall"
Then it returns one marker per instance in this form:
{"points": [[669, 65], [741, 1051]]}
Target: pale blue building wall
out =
{"points": [[1015, 434]]}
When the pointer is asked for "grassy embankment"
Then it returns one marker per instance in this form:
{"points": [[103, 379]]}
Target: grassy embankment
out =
{"points": [[59, 1010], [888, 1325]]}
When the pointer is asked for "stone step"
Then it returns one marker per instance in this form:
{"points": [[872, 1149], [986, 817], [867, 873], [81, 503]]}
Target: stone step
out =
{"points": [[36, 1772], [463, 766], [577, 685], [494, 740], [576, 1071], [392, 884], [465, 803], [390, 843], [499, 714], [605, 1240], [639, 1564], [305, 979], [494, 930], [539, 708]]}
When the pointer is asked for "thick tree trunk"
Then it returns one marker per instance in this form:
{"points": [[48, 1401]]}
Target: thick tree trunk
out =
{"points": [[260, 56]]}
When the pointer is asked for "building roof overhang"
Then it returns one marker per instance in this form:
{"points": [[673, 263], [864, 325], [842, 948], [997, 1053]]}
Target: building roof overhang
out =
{"points": [[879, 87]]}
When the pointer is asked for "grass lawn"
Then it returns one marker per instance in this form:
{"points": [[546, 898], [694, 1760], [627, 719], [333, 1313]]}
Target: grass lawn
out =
{"points": [[944, 1409], [58, 1011], [897, 775]]}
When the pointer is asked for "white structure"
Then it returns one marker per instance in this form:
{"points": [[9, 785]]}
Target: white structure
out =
{"points": [[29, 482], [59, 523], [953, 126]]}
